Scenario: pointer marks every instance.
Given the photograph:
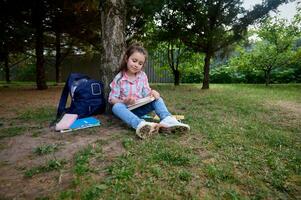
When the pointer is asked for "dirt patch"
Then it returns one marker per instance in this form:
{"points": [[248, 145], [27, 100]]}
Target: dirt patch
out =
{"points": [[288, 113], [17, 99], [289, 106], [17, 154]]}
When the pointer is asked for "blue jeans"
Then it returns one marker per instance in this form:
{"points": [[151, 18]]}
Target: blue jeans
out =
{"points": [[132, 118]]}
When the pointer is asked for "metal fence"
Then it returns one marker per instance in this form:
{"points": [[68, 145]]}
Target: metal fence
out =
{"points": [[89, 65]]}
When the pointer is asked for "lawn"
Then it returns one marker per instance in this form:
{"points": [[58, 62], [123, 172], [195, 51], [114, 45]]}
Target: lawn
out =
{"points": [[244, 143]]}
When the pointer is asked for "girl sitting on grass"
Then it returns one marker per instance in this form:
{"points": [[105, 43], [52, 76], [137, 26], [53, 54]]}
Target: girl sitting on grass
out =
{"points": [[131, 84]]}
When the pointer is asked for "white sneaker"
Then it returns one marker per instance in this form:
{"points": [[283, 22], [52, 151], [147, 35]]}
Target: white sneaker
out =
{"points": [[147, 129], [172, 125]]}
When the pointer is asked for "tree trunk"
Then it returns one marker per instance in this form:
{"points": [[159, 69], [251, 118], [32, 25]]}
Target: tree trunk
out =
{"points": [[174, 66], [6, 66], [58, 57], [39, 47], [113, 15], [177, 77], [267, 77], [206, 71]]}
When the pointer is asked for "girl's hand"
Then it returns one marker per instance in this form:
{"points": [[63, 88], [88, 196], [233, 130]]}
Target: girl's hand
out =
{"points": [[155, 94], [129, 100]]}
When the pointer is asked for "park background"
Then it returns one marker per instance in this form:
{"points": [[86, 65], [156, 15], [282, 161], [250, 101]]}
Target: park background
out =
{"points": [[265, 50], [244, 141]]}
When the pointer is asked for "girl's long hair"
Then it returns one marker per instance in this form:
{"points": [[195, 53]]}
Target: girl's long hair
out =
{"points": [[130, 50]]}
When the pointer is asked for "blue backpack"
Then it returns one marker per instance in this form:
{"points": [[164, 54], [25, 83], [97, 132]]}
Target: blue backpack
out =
{"points": [[87, 97]]}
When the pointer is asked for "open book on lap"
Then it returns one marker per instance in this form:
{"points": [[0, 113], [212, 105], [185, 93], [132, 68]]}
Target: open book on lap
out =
{"points": [[141, 102]]}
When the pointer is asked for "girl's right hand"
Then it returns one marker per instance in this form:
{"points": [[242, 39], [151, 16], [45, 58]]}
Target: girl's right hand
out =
{"points": [[129, 100]]}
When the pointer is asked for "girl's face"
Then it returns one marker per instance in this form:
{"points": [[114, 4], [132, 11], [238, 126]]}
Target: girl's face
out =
{"points": [[135, 62]]}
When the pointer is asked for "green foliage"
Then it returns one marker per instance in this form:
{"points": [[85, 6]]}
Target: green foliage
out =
{"points": [[191, 75], [140, 15], [190, 64], [208, 27], [290, 75], [25, 73], [178, 60], [192, 69], [223, 75], [272, 59], [232, 74], [275, 49]]}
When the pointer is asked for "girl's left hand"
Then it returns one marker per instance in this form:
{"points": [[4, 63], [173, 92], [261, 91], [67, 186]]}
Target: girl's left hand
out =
{"points": [[155, 94]]}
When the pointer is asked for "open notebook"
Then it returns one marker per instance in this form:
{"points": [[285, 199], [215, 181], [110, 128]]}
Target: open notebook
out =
{"points": [[69, 122], [66, 121]]}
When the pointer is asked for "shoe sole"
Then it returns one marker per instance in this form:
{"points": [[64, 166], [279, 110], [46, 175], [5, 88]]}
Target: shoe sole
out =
{"points": [[147, 131], [174, 129]]}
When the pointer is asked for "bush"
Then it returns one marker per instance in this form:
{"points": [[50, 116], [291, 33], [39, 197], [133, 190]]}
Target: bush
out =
{"points": [[191, 76], [25, 72], [282, 76], [221, 75]]}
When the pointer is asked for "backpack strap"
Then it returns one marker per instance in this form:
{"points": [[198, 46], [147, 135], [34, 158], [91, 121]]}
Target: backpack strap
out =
{"points": [[65, 93], [62, 105], [71, 78]]}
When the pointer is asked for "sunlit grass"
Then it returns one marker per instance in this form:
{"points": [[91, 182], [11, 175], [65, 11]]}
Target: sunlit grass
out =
{"points": [[244, 144]]}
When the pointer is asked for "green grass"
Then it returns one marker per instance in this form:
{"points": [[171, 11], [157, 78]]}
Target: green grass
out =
{"points": [[12, 131], [82, 160], [46, 149], [83, 171], [244, 144], [42, 114], [51, 165], [22, 124]]}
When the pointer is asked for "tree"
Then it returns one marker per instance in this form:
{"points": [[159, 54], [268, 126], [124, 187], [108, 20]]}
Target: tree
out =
{"points": [[38, 15], [209, 26], [113, 25], [139, 18], [168, 38], [74, 24], [173, 54], [31, 16], [176, 57], [275, 49], [15, 35], [266, 57]]}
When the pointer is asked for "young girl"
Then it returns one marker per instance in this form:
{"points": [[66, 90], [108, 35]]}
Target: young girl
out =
{"points": [[131, 84]]}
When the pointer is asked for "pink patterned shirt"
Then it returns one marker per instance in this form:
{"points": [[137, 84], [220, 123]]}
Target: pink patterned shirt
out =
{"points": [[122, 87]]}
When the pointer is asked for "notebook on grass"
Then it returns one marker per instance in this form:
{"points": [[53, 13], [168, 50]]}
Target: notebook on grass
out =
{"points": [[66, 121], [82, 123]]}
